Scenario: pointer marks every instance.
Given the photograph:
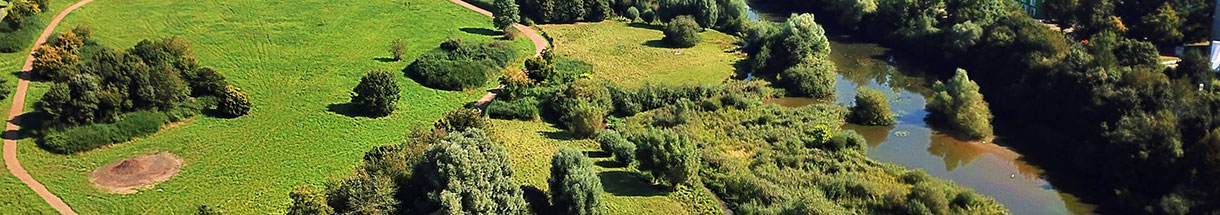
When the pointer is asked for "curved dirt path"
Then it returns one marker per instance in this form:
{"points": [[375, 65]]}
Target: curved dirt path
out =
{"points": [[540, 44], [10, 139]]}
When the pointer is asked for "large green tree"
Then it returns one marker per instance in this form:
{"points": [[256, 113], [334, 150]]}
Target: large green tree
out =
{"points": [[575, 187], [467, 173], [959, 104], [507, 14]]}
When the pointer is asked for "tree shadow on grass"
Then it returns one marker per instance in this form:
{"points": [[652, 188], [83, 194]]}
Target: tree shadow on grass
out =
{"points": [[346, 109], [482, 31], [645, 26], [537, 199], [609, 164], [558, 135], [658, 43], [32, 125], [620, 183], [597, 154], [385, 59]]}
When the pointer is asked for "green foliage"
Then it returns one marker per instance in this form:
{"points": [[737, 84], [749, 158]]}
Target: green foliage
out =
{"points": [[811, 78], [462, 120], [597, 10], [574, 185], [615, 144], [851, 12], [959, 104], [632, 14], [682, 32], [525, 108], [1194, 67], [459, 65], [541, 68], [308, 200], [799, 50], [584, 119], [206, 81], [376, 94], [669, 157], [648, 16], [1162, 26], [205, 210], [872, 108], [506, 14], [397, 49], [88, 137], [234, 102], [963, 35], [674, 115], [363, 194], [467, 173]]}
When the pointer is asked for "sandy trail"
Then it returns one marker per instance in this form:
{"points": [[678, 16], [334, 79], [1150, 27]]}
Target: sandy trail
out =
{"points": [[10, 139]]}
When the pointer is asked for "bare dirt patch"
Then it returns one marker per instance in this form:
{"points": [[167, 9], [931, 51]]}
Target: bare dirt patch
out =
{"points": [[127, 175]]}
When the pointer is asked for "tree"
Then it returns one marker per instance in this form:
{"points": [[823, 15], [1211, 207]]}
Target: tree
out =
{"points": [[1062, 12], [376, 94], [584, 119], [670, 158], [234, 102], [648, 16], [398, 48], [804, 39], [814, 78], [632, 14], [614, 143], [69, 42], [515, 84], [207, 81], [597, 10], [540, 69], [1162, 26], [565, 11], [962, 36], [53, 63], [708, 13], [308, 200], [872, 108], [507, 13], [959, 104], [682, 32], [574, 185], [467, 173], [1195, 67]]}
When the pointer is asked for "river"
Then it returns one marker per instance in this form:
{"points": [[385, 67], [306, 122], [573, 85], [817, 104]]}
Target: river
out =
{"points": [[989, 168]]}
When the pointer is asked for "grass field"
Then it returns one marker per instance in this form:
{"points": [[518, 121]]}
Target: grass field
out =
{"points": [[633, 54], [298, 60], [531, 144]]}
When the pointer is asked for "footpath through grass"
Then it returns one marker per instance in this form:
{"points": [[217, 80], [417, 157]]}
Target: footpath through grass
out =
{"points": [[633, 54], [298, 60]]}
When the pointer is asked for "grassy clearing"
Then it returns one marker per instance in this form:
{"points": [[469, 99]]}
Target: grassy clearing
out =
{"points": [[298, 60], [531, 144], [633, 54]]}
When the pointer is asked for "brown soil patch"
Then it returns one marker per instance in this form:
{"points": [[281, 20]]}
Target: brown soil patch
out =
{"points": [[127, 175]]}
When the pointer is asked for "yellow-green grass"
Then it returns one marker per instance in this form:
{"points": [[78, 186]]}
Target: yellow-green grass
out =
{"points": [[297, 59], [633, 54], [531, 145]]}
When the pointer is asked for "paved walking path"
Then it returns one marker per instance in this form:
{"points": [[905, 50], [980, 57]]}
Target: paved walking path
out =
{"points": [[540, 44], [10, 140]]}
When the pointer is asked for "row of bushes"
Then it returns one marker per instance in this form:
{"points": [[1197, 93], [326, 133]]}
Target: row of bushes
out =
{"points": [[83, 138], [459, 65]]}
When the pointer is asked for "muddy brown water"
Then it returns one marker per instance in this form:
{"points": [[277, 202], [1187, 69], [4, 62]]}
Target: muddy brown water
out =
{"points": [[989, 168]]}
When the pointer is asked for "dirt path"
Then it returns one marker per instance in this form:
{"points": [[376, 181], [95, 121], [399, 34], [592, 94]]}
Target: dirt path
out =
{"points": [[540, 44], [10, 140]]}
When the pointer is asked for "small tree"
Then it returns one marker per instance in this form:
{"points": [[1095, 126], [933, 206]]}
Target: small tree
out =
{"points": [[207, 81], [574, 185], [398, 48], [584, 119], [682, 32], [959, 104], [670, 158], [614, 143], [69, 42], [812, 77], [515, 84], [308, 200], [632, 14], [596, 10], [1162, 25], [872, 108], [507, 13], [648, 15], [363, 194], [540, 69], [53, 63], [234, 102], [376, 94]]}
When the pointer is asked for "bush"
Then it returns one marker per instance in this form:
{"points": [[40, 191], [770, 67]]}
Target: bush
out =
{"points": [[584, 119], [849, 139], [206, 81], [614, 143], [520, 109], [632, 14], [308, 200], [234, 102], [872, 108], [397, 49], [363, 194], [574, 185], [682, 32], [814, 79], [461, 120], [670, 158], [540, 68], [458, 65], [84, 138], [515, 84], [648, 16], [959, 104], [376, 94], [596, 10], [466, 173]]}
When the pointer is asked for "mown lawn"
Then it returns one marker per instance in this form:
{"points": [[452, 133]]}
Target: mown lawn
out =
{"points": [[531, 145], [633, 54], [298, 59]]}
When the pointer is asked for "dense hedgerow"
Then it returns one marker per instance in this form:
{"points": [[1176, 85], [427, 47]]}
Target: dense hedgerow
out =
{"points": [[83, 138], [459, 65], [520, 109]]}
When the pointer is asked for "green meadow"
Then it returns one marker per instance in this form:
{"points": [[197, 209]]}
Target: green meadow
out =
{"points": [[633, 54], [297, 59]]}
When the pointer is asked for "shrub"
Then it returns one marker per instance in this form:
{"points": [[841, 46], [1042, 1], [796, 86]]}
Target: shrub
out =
{"points": [[461, 120], [515, 84], [510, 33], [84, 31], [207, 81], [234, 102], [520, 109], [632, 14], [614, 143], [88, 137], [4, 89], [69, 42], [815, 79], [872, 108], [466, 173], [849, 139], [648, 16], [363, 194], [584, 119], [540, 69], [575, 186], [959, 104], [672, 115], [928, 197], [376, 94], [682, 32], [670, 158], [458, 65], [397, 49], [308, 200]]}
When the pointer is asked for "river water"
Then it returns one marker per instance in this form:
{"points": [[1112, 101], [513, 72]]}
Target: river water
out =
{"points": [[989, 168]]}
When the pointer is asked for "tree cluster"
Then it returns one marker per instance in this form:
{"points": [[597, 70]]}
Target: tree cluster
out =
{"points": [[459, 65], [565, 11], [796, 51]]}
